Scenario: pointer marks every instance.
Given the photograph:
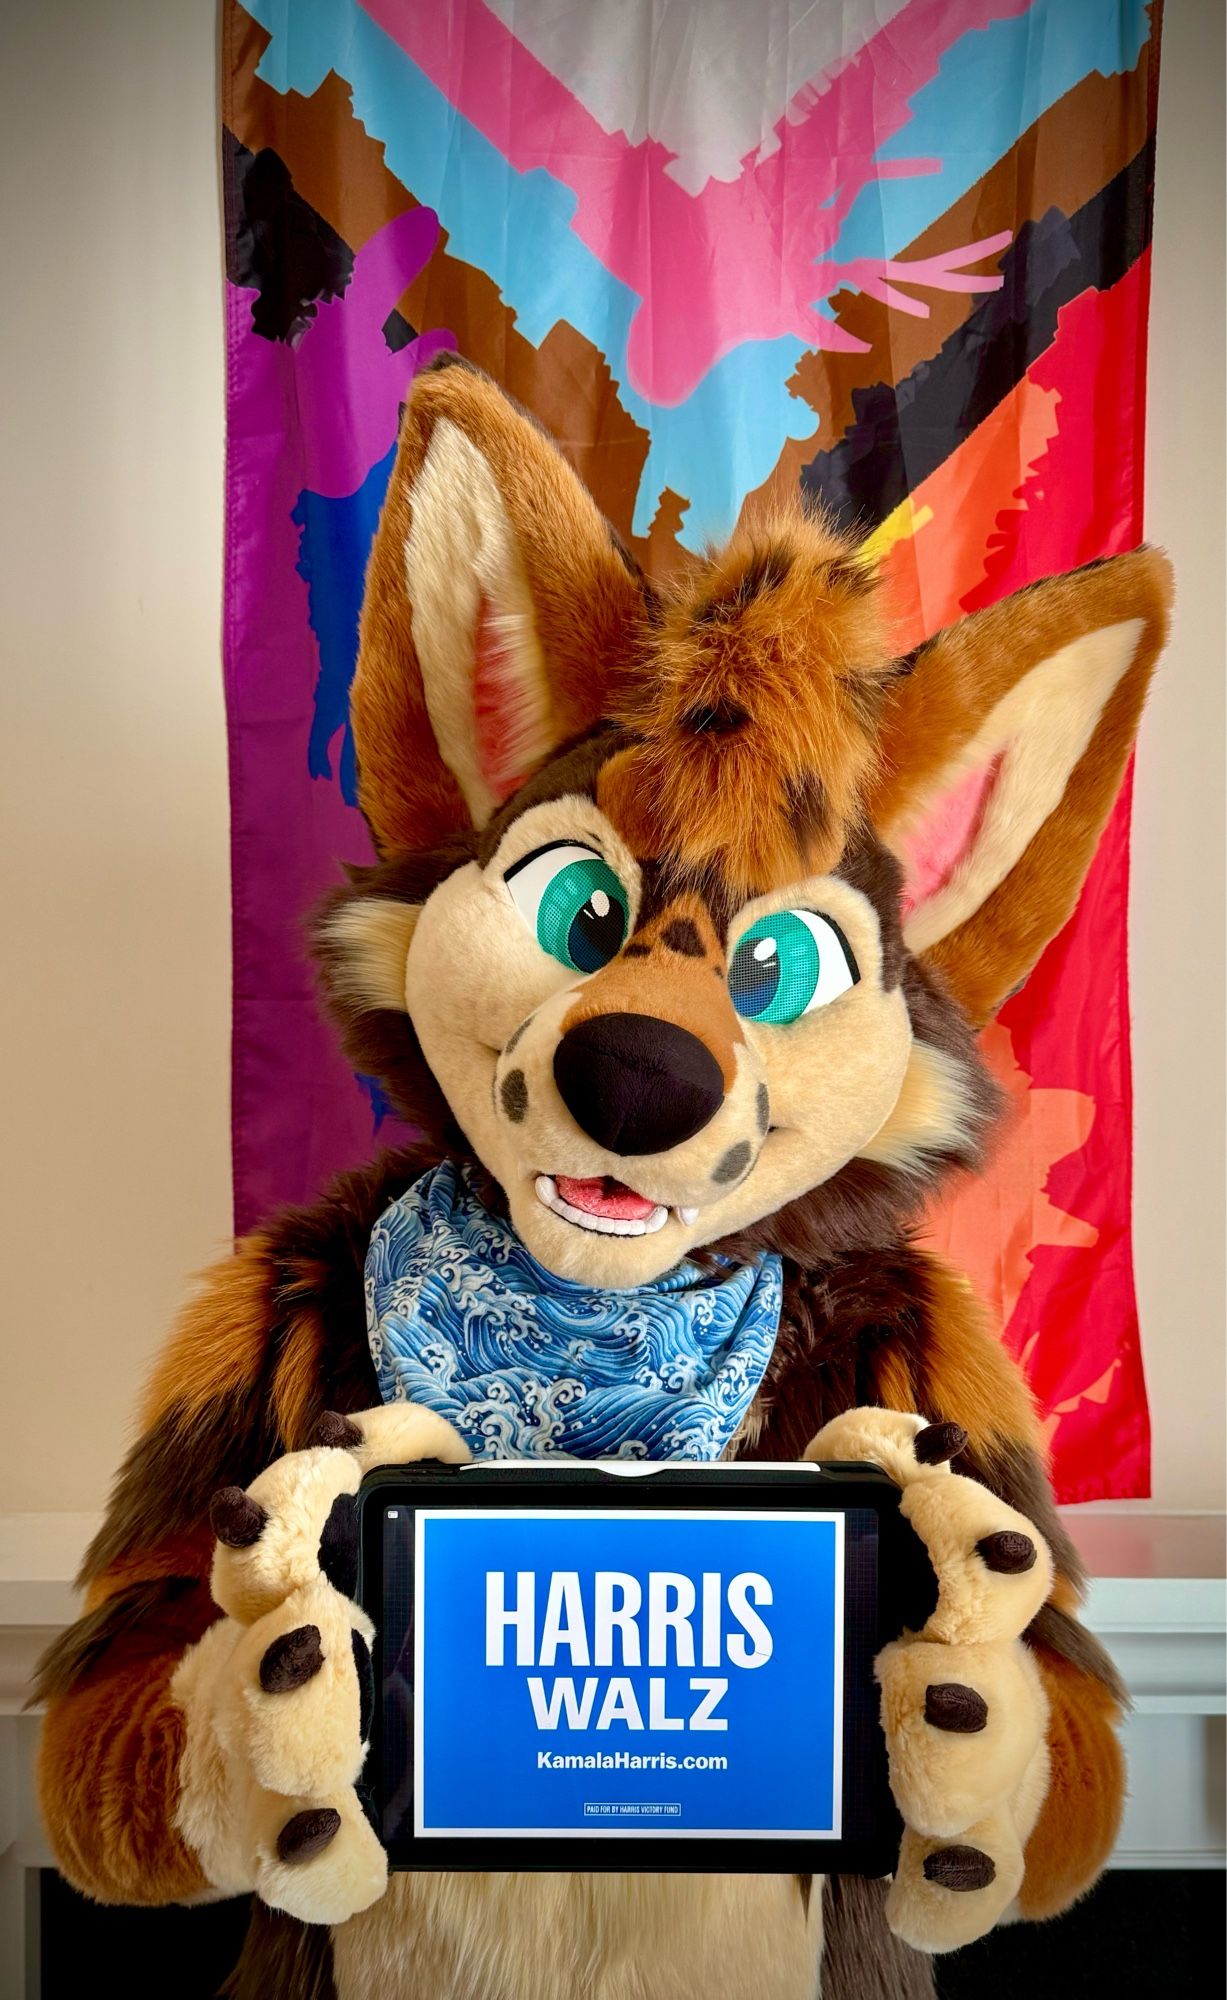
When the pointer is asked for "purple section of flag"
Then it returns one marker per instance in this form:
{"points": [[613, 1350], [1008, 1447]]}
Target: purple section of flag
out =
{"points": [[311, 419]]}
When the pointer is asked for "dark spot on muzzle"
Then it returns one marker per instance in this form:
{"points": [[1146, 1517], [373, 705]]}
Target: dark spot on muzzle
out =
{"points": [[514, 1092], [517, 1035], [734, 1163], [636, 1084]]}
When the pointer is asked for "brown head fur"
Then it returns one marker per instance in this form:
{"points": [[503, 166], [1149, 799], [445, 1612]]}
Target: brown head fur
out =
{"points": [[756, 708], [738, 731]]}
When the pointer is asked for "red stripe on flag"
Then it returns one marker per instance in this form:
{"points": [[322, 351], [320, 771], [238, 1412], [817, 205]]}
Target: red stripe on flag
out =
{"points": [[1056, 470]]}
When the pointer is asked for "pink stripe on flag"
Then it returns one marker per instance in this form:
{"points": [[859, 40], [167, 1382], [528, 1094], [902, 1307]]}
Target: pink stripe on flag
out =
{"points": [[738, 261]]}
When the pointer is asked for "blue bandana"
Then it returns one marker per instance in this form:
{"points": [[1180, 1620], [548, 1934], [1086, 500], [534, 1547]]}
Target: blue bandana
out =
{"points": [[526, 1365]]}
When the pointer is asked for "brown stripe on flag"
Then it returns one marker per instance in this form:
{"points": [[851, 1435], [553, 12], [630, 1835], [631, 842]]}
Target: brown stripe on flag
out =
{"points": [[1080, 144], [341, 171], [333, 161]]}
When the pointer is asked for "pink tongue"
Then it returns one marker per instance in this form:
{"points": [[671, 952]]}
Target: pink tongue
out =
{"points": [[605, 1197]]}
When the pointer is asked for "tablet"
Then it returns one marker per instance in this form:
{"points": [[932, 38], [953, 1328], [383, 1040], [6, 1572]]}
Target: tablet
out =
{"points": [[629, 1665]]}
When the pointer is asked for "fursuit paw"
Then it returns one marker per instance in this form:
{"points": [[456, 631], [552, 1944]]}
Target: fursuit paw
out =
{"points": [[278, 1694], [963, 1706]]}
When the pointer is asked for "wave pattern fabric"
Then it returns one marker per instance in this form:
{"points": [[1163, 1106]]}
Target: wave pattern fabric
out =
{"points": [[526, 1365], [893, 253]]}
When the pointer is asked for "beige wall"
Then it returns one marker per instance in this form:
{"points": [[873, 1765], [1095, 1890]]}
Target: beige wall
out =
{"points": [[115, 1023], [115, 1030]]}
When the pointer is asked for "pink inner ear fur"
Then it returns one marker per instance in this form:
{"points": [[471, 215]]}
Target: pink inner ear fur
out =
{"points": [[934, 847], [495, 680]]}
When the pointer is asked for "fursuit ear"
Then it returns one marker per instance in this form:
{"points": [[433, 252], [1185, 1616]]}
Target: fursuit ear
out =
{"points": [[498, 607], [1003, 752]]}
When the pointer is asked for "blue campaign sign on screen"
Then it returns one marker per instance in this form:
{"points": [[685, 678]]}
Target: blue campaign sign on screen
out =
{"points": [[628, 1672]]}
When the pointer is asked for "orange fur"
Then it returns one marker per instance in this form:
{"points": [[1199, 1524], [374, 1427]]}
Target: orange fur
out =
{"points": [[1080, 1817], [221, 1337], [297, 1395], [587, 607], [971, 1378], [893, 1380], [108, 1769], [409, 797], [779, 641], [958, 679], [1066, 1597], [111, 1739], [162, 1558]]}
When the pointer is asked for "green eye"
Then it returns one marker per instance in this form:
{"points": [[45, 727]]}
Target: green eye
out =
{"points": [[574, 903], [789, 964]]}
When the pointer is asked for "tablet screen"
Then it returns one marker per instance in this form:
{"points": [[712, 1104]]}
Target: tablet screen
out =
{"points": [[642, 1674]]}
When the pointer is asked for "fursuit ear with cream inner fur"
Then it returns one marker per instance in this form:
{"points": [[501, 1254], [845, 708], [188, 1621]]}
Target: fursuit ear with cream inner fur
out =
{"points": [[1003, 749], [499, 609]]}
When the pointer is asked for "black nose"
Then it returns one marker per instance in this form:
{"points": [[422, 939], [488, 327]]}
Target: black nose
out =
{"points": [[636, 1084]]}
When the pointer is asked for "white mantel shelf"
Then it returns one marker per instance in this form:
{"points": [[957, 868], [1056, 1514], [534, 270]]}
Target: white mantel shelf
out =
{"points": [[1157, 1599]]}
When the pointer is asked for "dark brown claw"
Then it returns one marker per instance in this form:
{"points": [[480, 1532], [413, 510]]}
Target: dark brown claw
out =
{"points": [[336, 1430], [308, 1833], [950, 1705], [1008, 1552], [235, 1518], [939, 1442], [292, 1659], [959, 1868]]}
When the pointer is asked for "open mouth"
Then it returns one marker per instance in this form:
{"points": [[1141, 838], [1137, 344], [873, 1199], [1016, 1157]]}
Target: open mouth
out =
{"points": [[606, 1205]]}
